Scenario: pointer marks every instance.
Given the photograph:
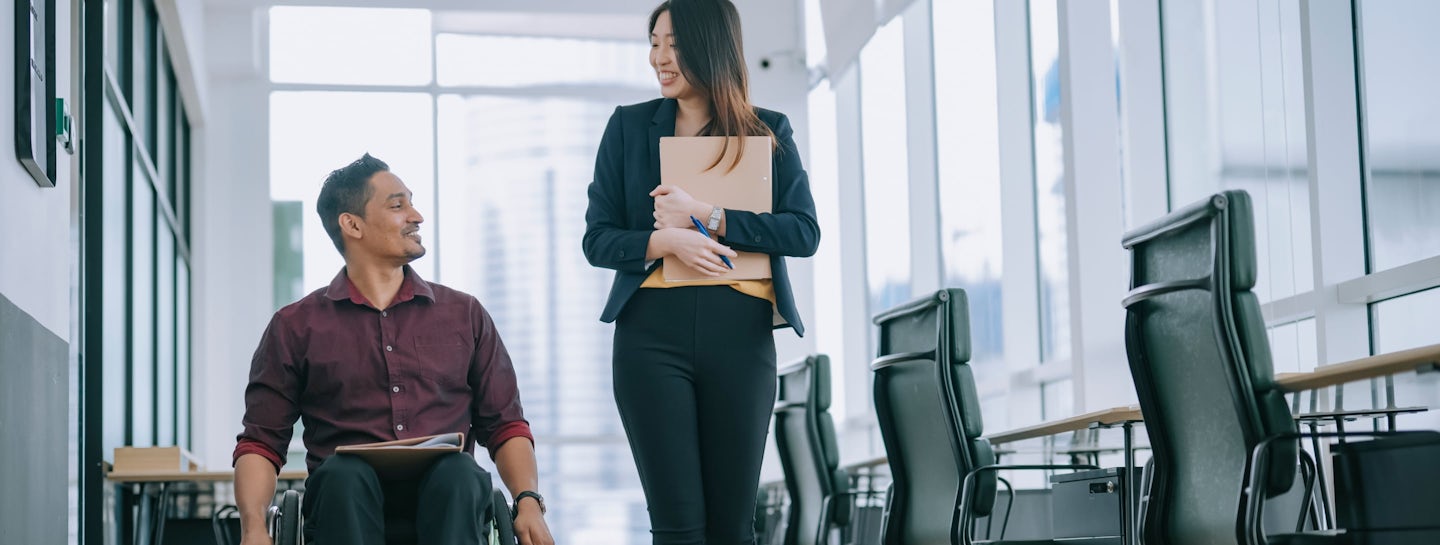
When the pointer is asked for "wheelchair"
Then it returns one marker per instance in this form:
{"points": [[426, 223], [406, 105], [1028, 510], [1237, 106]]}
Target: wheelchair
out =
{"points": [[285, 522]]}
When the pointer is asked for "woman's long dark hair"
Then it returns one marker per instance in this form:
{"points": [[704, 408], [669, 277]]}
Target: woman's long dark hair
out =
{"points": [[707, 37]]}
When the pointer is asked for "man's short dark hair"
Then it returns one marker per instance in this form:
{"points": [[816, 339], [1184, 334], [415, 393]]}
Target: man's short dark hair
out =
{"points": [[346, 190]]}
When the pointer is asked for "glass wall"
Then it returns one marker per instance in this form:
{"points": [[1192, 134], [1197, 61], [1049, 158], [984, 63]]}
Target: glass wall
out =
{"points": [[1398, 69], [1292, 347], [499, 153], [1235, 104], [1049, 152], [967, 140], [822, 166], [141, 180], [135, 302], [514, 177], [1236, 120], [1403, 323], [398, 128], [886, 170]]}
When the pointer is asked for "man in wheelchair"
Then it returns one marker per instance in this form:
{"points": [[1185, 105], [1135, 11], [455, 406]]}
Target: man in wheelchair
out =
{"points": [[381, 354]]}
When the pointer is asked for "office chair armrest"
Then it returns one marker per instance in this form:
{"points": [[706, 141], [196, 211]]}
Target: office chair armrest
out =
{"points": [[1253, 500], [901, 357], [967, 489]]}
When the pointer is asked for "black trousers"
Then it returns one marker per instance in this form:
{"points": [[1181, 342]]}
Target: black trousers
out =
{"points": [[695, 383], [346, 503]]}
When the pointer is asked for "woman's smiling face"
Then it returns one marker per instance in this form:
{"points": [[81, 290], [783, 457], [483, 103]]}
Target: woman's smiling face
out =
{"points": [[665, 59]]}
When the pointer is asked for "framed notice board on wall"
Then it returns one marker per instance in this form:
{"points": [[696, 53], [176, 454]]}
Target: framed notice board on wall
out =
{"points": [[35, 88]]}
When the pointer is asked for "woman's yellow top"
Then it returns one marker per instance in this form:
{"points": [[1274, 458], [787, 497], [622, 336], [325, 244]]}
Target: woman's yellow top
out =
{"points": [[763, 288]]}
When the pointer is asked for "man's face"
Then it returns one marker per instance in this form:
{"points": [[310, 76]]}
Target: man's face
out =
{"points": [[391, 226]]}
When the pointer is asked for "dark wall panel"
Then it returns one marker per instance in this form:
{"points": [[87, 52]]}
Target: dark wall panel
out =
{"points": [[34, 472]]}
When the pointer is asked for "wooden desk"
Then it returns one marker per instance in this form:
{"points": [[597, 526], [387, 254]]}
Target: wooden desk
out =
{"points": [[149, 493], [1114, 416], [1425, 358], [1098, 419]]}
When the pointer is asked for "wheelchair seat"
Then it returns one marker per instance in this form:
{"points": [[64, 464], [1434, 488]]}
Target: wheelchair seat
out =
{"points": [[286, 522]]}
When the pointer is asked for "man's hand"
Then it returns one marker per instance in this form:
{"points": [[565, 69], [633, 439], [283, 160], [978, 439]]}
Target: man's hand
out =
{"points": [[674, 208], [516, 461], [530, 525]]}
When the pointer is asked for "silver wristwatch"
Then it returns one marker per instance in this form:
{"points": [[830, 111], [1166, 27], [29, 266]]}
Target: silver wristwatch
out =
{"points": [[715, 213]]}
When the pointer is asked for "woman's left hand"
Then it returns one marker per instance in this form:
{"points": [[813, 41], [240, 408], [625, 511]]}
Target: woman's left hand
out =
{"points": [[674, 208]]}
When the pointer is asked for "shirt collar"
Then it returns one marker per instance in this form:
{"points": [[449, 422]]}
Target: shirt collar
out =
{"points": [[341, 288]]}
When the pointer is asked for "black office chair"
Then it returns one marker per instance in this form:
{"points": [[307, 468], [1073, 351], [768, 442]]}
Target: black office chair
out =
{"points": [[286, 522], [805, 438], [943, 472], [1201, 362]]}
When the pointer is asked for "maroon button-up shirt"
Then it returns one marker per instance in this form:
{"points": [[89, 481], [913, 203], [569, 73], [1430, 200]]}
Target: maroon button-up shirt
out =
{"points": [[431, 363]]}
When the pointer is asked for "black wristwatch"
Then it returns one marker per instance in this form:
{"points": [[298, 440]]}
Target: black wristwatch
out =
{"points": [[528, 494]]}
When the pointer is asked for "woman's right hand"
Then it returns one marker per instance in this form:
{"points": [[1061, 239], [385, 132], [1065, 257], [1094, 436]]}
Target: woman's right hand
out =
{"points": [[696, 250]]}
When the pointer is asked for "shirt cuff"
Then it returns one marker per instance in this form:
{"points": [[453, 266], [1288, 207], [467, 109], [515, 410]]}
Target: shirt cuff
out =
{"points": [[518, 428], [251, 446]]}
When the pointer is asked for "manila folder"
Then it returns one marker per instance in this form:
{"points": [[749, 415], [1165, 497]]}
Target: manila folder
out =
{"points": [[405, 458], [685, 163]]}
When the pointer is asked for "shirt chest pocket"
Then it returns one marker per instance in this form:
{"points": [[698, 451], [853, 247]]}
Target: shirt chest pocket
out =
{"points": [[444, 358]]}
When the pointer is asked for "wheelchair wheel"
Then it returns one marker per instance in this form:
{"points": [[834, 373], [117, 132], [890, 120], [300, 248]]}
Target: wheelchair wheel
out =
{"points": [[504, 520], [287, 523]]}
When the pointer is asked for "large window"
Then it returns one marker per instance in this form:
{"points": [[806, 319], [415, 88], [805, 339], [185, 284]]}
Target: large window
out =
{"points": [[499, 152], [1050, 181], [1292, 347], [1236, 120], [822, 166], [967, 140], [1402, 129], [350, 46], [886, 171], [1395, 63], [471, 60], [829, 326], [514, 177], [135, 304], [398, 128], [1399, 324]]}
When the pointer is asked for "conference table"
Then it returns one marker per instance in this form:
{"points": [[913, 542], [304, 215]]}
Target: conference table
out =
{"points": [[1424, 359]]}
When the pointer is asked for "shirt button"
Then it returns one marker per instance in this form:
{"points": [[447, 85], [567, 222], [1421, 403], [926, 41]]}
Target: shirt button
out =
{"points": [[399, 427], [389, 348], [757, 238], [622, 253], [395, 389], [384, 314]]}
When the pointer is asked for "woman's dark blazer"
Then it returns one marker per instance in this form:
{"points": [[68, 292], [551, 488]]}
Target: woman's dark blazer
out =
{"points": [[620, 219]]}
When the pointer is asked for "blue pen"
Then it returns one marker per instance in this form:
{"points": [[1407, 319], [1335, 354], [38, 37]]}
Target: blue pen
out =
{"points": [[705, 232]]}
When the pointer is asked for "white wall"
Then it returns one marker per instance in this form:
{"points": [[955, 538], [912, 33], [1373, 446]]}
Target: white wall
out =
{"points": [[35, 221], [36, 265]]}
